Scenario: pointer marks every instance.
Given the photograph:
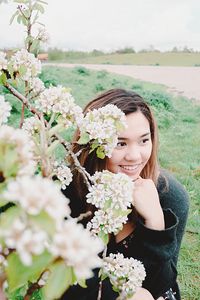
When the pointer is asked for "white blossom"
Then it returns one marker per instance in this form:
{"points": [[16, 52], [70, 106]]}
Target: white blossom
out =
{"points": [[43, 35], [31, 125], [104, 125], [126, 274], [63, 173], [26, 241], [22, 146], [5, 109], [108, 221], [58, 100], [35, 194], [111, 190], [77, 247], [36, 85], [112, 194], [3, 61], [31, 65]]}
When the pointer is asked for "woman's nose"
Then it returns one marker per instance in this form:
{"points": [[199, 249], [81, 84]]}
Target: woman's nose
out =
{"points": [[133, 153]]}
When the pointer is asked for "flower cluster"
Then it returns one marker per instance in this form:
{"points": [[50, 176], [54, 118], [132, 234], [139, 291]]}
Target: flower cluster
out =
{"points": [[36, 194], [26, 240], [76, 246], [17, 143], [125, 274], [25, 64], [63, 173], [3, 61], [36, 86], [31, 125], [58, 100], [43, 35], [112, 194], [5, 109], [103, 126], [41, 205]]}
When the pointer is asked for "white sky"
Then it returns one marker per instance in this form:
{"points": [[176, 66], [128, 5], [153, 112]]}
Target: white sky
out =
{"points": [[112, 24]]}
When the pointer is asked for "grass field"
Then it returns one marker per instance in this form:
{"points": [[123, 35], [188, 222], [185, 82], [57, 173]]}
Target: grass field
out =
{"points": [[147, 58], [178, 120]]}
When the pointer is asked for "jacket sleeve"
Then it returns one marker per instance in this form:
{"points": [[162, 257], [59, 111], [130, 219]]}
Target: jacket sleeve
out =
{"points": [[158, 244], [173, 195], [156, 250]]}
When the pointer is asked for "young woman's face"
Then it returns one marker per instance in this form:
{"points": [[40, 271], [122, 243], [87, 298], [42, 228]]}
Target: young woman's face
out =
{"points": [[134, 147]]}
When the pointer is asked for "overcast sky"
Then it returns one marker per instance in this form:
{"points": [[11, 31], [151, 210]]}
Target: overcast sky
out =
{"points": [[112, 24]]}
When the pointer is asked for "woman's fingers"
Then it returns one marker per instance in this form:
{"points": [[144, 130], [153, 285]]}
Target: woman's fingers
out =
{"points": [[142, 294]]}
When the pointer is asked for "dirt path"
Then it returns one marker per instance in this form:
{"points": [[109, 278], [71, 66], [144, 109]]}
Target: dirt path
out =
{"points": [[179, 80]]}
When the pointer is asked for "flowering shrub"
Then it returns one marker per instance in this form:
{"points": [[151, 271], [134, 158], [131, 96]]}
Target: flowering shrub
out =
{"points": [[43, 250]]}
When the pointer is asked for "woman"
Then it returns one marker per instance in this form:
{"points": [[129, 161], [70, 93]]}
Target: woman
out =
{"points": [[156, 225]]}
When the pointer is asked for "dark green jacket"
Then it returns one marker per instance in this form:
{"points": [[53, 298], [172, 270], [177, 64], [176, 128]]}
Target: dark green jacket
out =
{"points": [[158, 250]]}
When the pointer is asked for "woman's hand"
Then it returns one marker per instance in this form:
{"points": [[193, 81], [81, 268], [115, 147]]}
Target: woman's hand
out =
{"points": [[142, 294], [147, 203]]}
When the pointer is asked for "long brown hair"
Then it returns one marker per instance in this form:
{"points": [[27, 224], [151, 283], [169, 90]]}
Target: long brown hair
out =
{"points": [[128, 102]]}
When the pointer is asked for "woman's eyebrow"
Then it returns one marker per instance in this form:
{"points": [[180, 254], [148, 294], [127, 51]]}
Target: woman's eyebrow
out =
{"points": [[148, 133], [143, 135]]}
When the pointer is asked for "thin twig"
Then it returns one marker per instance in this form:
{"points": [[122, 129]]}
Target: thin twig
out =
{"points": [[22, 116], [81, 169], [101, 281], [22, 98], [84, 215]]}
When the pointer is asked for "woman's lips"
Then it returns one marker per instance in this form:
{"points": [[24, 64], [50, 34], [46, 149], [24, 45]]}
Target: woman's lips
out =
{"points": [[130, 169]]}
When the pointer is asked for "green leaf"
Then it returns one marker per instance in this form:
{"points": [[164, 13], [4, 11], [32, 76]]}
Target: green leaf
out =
{"points": [[7, 218], [17, 294], [104, 237], [35, 45], [100, 152], [52, 147], [115, 289], [19, 19], [3, 78], [24, 20], [19, 274], [103, 276], [10, 69], [84, 139], [8, 160], [27, 13], [59, 281], [94, 146], [119, 212], [108, 203], [2, 201], [22, 70], [37, 295], [44, 221], [82, 283], [38, 7]]}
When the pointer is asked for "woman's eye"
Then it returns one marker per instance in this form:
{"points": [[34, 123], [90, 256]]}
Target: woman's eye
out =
{"points": [[144, 141], [121, 144]]}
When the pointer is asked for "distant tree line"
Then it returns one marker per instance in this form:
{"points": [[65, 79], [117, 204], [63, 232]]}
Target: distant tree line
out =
{"points": [[59, 54]]}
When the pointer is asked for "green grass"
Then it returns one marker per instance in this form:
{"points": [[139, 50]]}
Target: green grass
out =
{"points": [[178, 120], [148, 58]]}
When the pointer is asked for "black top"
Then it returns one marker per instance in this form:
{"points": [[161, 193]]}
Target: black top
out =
{"points": [[158, 250]]}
